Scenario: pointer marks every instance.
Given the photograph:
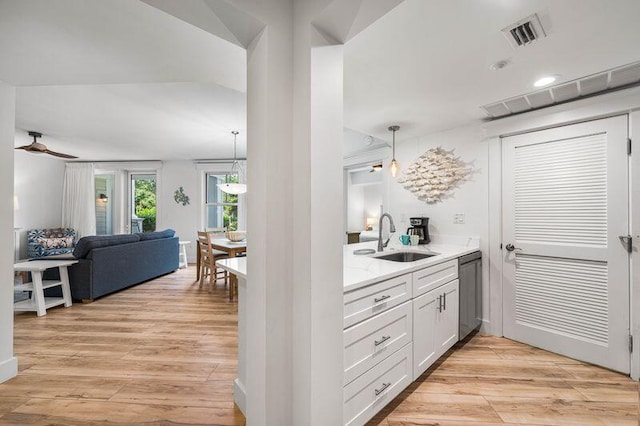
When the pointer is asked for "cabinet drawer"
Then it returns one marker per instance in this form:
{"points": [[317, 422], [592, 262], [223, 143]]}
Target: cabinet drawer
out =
{"points": [[373, 340], [365, 302], [366, 395], [434, 276]]}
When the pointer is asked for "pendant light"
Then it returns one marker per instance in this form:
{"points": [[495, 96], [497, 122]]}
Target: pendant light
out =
{"points": [[234, 188], [394, 166]]}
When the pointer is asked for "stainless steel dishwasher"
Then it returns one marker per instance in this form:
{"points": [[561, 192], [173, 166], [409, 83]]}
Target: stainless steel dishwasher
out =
{"points": [[470, 276]]}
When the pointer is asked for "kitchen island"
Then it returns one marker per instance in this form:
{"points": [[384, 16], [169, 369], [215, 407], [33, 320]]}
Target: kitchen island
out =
{"points": [[399, 318]]}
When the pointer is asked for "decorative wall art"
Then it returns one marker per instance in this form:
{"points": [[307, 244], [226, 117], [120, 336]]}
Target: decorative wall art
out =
{"points": [[181, 197], [435, 174]]}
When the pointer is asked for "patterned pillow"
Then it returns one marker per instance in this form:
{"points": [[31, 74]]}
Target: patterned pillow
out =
{"points": [[55, 243]]}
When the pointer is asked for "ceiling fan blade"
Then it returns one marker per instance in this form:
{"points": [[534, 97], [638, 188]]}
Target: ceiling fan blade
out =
{"points": [[25, 147], [58, 154]]}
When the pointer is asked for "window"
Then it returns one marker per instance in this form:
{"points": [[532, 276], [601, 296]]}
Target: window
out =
{"points": [[221, 209]]}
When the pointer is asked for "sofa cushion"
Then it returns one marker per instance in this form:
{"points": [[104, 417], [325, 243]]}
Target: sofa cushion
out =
{"points": [[167, 233], [86, 244], [55, 243]]}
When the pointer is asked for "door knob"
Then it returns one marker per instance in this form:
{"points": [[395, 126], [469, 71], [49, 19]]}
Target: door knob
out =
{"points": [[511, 247]]}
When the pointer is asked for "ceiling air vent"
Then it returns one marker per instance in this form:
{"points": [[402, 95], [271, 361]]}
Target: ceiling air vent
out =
{"points": [[524, 31]]}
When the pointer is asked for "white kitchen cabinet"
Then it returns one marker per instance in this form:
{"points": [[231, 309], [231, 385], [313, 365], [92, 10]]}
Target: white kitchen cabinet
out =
{"points": [[370, 392], [435, 325], [376, 298], [373, 340], [434, 276], [394, 330]]}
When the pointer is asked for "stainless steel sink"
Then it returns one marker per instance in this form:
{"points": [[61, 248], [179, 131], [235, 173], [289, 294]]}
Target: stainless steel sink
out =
{"points": [[405, 256]]}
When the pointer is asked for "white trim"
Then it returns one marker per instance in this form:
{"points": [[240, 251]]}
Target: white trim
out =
{"points": [[594, 108], [367, 157], [8, 369], [494, 263], [127, 165], [634, 223]]}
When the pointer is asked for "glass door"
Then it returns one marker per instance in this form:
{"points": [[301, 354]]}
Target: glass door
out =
{"points": [[142, 202]]}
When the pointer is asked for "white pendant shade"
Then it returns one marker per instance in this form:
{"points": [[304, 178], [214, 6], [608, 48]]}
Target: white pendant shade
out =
{"points": [[233, 188]]}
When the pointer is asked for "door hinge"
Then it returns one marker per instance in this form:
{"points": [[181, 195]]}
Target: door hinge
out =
{"points": [[630, 343], [628, 146]]}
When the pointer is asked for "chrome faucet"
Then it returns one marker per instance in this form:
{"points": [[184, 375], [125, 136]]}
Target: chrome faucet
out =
{"points": [[392, 228]]}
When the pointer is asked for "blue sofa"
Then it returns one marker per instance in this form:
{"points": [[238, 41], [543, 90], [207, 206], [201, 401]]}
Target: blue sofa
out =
{"points": [[108, 263]]}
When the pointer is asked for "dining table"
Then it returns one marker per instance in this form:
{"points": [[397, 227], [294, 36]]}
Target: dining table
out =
{"points": [[233, 249]]}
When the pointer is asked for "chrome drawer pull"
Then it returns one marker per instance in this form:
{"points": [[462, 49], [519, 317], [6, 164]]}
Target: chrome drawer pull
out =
{"points": [[382, 389], [381, 341], [381, 298]]}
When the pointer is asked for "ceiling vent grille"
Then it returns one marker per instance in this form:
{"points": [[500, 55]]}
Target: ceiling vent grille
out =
{"points": [[524, 32], [607, 81]]}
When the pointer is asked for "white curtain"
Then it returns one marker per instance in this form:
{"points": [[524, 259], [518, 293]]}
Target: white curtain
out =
{"points": [[79, 199]]}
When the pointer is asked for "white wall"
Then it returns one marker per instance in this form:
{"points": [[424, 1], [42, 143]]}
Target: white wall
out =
{"points": [[8, 363], [355, 206], [470, 198], [38, 181], [372, 201], [184, 219]]}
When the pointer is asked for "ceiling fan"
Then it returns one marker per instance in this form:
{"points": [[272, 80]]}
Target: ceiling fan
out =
{"points": [[39, 148]]}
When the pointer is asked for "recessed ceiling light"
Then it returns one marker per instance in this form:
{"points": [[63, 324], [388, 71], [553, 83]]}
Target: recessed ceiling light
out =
{"points": [[545, 81]]}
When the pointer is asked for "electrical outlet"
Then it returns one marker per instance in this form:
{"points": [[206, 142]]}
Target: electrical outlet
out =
{"points": [[458, 218]]}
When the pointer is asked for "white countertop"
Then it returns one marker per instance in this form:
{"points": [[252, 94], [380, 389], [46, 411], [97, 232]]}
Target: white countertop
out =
{"points": [[234, 265], [362, 270]]}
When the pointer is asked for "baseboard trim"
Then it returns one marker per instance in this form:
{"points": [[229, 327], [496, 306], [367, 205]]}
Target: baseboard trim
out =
{"points": [[8, 369], [240, 396]]}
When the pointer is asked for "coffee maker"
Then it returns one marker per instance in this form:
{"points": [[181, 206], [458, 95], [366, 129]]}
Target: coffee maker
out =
{"points": [[419, 227]]}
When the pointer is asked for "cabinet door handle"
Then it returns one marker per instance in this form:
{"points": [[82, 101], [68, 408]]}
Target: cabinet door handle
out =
{"points": [[381, 298], [383, 388], [440, 303], [444, 301], [381, 341]]}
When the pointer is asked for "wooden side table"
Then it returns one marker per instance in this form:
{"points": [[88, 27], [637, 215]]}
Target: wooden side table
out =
{"points": [[38, 302]]}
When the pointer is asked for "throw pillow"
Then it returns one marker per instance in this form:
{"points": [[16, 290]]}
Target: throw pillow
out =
{"points": [[55, 243]]}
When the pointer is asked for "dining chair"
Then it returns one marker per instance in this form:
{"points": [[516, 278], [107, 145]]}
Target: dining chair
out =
{"points": [[208, 258], [216, 232]]}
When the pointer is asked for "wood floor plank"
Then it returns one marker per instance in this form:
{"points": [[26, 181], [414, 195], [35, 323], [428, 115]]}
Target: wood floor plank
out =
{"points": [[560, 412], [531, 388], [420, 407]]}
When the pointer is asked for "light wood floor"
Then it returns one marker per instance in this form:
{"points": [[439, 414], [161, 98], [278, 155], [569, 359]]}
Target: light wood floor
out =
{"points": [[164, 353], [495, 381], [160, 353]]}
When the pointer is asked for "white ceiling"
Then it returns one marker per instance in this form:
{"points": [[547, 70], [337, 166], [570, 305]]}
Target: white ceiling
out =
{"points": [[123, 80], [425, 65]]}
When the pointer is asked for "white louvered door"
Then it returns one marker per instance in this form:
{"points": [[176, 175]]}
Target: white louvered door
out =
{"points": [[565, 204]]}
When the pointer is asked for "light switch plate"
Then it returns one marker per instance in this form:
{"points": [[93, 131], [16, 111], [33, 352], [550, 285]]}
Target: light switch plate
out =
{"points": [[458, 218]]}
